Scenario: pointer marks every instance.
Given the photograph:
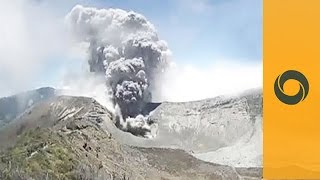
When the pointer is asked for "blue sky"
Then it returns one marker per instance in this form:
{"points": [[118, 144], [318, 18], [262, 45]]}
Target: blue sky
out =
{"points": [[199, 33], [202, 31]]}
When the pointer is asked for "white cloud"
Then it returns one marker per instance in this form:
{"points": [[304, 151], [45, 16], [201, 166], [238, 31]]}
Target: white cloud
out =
{"points": [[30, 33], [187, 83]]}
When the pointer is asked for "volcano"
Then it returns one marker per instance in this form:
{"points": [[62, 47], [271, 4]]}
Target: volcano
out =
{"points": [[65, 137]]}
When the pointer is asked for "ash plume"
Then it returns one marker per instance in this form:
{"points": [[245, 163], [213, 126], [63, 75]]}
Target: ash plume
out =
{"points": [[124, 46]]}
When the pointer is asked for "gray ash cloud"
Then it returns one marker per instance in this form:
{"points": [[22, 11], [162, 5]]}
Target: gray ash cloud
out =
{"points": [[125, 47]]}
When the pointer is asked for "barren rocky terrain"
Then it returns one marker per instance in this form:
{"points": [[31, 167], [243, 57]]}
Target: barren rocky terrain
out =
{"points": [[75, 138], [224, 130]]}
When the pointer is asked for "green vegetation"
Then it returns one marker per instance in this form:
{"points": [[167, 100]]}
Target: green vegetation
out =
{"points": [[39, 154]]}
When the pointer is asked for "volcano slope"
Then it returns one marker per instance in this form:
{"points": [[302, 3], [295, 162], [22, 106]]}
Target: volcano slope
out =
{"points": [[223, 130], [72, 138], [13, 106]]}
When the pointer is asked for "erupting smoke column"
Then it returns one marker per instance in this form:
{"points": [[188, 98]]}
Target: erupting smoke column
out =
{"points": [[124, 46]]}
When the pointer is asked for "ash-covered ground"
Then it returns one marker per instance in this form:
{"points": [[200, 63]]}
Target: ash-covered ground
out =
{"points": [[222, 130], [79, 134]]}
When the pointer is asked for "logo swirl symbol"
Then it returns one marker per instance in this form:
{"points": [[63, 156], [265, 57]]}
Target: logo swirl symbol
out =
{"points": [[303, 91]]}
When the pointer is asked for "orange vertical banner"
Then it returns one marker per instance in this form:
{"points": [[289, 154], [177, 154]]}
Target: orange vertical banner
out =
{"points": [[291, 89]]}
